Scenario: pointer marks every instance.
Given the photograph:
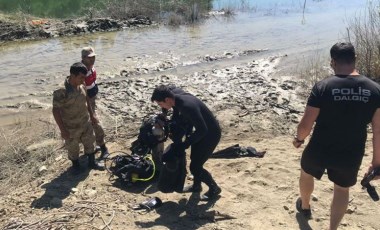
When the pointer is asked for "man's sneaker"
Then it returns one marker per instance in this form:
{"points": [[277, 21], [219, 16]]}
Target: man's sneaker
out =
{"points": [[305, 212]]}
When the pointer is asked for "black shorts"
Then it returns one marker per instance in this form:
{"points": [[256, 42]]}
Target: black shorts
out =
{"points": [[342, 168]]}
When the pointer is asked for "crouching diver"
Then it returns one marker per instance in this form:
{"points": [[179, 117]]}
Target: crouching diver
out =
{"points": [[203, 140]]}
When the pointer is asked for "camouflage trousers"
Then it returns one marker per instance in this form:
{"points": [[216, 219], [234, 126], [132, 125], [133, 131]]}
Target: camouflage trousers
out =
{"points": [[84, 135], [98, 129]]}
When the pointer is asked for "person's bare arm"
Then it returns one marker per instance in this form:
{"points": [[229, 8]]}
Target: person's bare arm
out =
{"points": [[376, 140], [58, 119], [306, 124]]}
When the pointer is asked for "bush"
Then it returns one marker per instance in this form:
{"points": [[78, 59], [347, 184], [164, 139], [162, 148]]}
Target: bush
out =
{"points": [[313, 69], [174, 11], [365, 34]]}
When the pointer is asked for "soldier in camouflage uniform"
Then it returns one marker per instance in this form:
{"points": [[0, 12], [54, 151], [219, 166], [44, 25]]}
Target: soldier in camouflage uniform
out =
{"points": [[72, 114]]}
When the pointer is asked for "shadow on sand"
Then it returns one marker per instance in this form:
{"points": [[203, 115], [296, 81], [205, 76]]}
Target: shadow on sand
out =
{"points": [[186, 214], [147, 187], [60, 188]]}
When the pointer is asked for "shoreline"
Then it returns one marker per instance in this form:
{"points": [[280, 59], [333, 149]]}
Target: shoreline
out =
{"points": [[38, 29], [248, 89]]}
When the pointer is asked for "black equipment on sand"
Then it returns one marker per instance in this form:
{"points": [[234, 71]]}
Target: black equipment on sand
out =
{"points": [[366, 183]]}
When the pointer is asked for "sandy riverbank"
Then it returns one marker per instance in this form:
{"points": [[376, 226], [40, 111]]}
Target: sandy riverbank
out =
{"points": [[255, 107]]}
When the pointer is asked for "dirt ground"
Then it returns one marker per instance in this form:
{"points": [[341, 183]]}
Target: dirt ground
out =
{"points": [[255, 107]]}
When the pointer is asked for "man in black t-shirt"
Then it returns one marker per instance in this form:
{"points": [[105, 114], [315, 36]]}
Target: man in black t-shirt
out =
{"points": [[203, 140], [341, 106]]}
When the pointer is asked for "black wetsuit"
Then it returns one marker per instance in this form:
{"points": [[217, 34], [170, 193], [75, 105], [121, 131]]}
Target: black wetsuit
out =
{"points": [[179, 127], [347, 105], [177, 91], [204, 139]]}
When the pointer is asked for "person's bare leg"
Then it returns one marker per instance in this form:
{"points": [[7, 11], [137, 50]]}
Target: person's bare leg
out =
{"points": [[306, 184], [339, 206]]}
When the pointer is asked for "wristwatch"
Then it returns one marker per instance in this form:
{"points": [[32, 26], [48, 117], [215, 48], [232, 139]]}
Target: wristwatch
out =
{"points": [[298, 140]]}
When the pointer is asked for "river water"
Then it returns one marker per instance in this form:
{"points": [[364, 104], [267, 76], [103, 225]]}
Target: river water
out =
{"points": [[31, 70]]}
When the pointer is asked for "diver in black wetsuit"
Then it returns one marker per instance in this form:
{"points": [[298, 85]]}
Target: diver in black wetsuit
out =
{"points": [[203, 140], [179, 126]]}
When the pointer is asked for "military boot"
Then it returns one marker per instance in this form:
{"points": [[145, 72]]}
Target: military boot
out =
{"points": [[103, 152], [93, 164], [76, 167]]}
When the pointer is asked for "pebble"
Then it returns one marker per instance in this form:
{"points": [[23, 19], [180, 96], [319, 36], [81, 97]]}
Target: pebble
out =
{"points": [[3, 212], [90, 192], [42, 169], [58, 158], [351, 210]]}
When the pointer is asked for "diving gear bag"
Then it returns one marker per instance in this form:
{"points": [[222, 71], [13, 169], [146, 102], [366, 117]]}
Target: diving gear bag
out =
{"points": [[131, 168], [173, 173]]}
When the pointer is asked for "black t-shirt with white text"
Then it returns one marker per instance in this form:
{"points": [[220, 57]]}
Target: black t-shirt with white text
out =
{"points": [[347, 104]]}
